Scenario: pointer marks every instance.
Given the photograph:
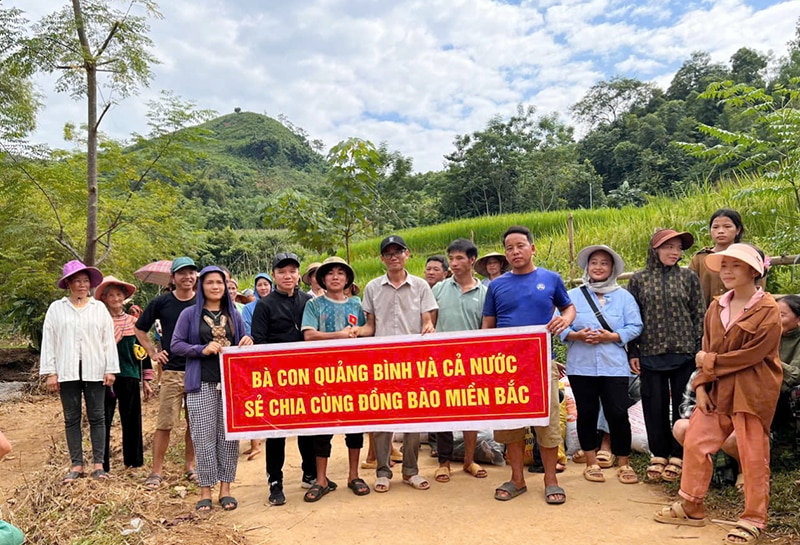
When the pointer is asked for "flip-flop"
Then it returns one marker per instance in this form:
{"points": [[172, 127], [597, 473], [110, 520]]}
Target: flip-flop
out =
{"points": [[510, 489], [442, 474], [359, 487], [418, 482], [228, 503], [476, 471], [191, 476], [675, 514], [72, 476], [382, 484], [554, 490], [204, 506]]}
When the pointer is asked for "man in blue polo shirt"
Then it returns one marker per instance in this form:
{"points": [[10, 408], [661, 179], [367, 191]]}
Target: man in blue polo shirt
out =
{"points": [[524, 296]]}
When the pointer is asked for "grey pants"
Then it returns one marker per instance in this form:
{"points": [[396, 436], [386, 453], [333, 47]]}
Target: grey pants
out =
{"points": [[216, 457], [383, 452], [94, 393]]}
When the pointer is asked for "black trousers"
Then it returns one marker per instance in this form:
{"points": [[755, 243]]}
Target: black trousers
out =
{"points": [[322, 443], [127, 396], [589, 392], [658, 388], [276, 455]]}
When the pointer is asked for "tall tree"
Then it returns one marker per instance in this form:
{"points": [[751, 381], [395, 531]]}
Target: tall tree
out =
{"points": [[18, 100], [607, 101], [102, 55]]}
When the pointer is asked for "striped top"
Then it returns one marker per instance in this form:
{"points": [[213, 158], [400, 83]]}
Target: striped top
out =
{"points": [[78, 337]]}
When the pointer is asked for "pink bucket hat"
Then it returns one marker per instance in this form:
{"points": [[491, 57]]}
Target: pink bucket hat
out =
{"points": [[72, 267], [109, 281], [743, 252]]}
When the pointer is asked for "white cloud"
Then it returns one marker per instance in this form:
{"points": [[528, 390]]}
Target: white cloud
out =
{"points": [[415, 73]]}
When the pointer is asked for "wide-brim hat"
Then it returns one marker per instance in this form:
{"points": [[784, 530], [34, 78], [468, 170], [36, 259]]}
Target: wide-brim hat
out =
{"points": [[663, 235], [480, 265], [585, 254], [328, 264], [73, 267], [310, 270], [109, 281], [742, 252]]}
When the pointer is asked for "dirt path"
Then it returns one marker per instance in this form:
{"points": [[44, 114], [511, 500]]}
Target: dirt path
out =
{"points": [[461, 511]]}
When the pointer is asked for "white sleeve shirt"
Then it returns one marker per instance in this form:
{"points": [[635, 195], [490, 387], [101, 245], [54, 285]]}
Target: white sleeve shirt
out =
{"points": [[78, 343]]}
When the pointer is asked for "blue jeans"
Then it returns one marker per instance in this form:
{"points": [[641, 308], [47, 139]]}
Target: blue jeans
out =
{"points": [[94, 393]]}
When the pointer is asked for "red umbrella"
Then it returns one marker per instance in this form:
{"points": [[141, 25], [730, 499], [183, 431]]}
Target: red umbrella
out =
{"points": [[157, 272]]}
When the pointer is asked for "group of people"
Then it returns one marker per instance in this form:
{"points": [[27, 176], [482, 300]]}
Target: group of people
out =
{"points": [[709, 330]]}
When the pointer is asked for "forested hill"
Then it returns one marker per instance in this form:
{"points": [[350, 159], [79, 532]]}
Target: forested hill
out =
{"points": [[245, 158]]}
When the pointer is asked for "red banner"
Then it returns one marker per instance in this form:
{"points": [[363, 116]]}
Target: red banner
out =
{"points": [[470, 380]]}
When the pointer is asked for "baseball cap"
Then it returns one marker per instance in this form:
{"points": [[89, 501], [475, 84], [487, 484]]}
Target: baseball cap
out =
{"points": [[181, 263], [393, 239], [284, 258]]}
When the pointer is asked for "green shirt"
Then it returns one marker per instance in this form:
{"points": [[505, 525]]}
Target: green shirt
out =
{"points": [[458, 310]]}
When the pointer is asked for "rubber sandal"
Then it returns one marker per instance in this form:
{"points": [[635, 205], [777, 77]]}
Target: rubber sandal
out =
{"points": [[191, 476], [743, 530], [508, 491], [579, 457], [655, 470], [276, 496], [418, 482], [442, 474], [554, 490], [72, 476], [605, 459], [153, 481], [626, 475], [203, 505], [228, 503], [316, 492], [672, 472], [382, 484], [369, 465], [99, 475], [476, 471], [359, 487], [676, 515], [594, 474]]}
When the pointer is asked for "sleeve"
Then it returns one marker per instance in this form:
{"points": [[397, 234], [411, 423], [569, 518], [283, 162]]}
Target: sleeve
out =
{"points": [[697, 309], [148, 317], [247, 317], [180, 345], [573, 293], [427, 302], [259, 327], [110, 356], [632, 327], [310, 317], [366, 302], [633, 289], [560, 296], [47, 355], [488, 304], [240, 330]]}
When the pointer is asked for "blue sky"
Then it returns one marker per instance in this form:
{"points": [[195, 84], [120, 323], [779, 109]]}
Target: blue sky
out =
{"points": [[416, 73]]}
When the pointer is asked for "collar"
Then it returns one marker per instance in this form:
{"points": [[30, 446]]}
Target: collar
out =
{"points": [[385, 279], [452, 280], [725, 299]]}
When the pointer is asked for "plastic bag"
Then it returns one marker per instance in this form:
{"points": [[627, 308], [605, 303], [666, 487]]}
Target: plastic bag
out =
{"points": [[487, 450]]}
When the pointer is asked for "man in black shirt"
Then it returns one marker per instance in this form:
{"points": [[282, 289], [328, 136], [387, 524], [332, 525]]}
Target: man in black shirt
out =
{"points": [[277, 319], [167, 308]]}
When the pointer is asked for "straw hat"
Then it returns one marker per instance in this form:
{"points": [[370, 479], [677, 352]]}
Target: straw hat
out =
{"points": [[480, 265], [109, 281], [310, 270]]}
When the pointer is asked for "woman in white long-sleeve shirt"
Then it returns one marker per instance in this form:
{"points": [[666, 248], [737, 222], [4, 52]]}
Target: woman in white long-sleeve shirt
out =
{"points": [[79, 358]]}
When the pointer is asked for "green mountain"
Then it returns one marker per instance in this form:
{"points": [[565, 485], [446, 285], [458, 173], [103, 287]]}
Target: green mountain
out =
{"points": [[245, 159]]}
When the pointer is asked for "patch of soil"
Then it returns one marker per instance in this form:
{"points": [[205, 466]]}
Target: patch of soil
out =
{"points": [[17, 364]]}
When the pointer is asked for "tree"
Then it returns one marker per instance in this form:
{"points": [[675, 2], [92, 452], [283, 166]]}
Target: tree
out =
{"points": [[18, 100], [748, 66], [103, 56], [606, 101]]}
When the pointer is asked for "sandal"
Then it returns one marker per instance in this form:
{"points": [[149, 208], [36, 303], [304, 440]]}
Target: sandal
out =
{"points": [[396, 455], [100, 475], [745, 532], [675, 514], [554, 490], [228, 503], [476, 471], [626, 475], [508, 491], [72, 476], [153, 481], [442, 474], [191, 476], [359, 487], [203, 505], [579, 457], [382, 484], [594, 474], [418, 482], [655, 470], [369, 465], [605, 459], [316, 492], [672, 472]]}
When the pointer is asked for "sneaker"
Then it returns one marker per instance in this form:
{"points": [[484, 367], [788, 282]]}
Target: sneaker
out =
{"points": [[308, 481], [276, 496]]}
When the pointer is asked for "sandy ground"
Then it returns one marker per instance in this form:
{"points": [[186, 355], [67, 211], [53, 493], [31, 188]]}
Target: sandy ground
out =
{"points": [[461, 511]]}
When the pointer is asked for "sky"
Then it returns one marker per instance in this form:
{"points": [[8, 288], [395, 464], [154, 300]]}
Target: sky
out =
{"points": [[415, 73]]}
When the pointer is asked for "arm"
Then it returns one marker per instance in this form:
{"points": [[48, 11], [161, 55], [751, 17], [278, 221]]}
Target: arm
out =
{"points": [[47, 356], [111, 355], [368, 329], [489, 322], [259, 327], [314, 335], [180, 338], [697, 308], [632, 318], [560, 322], [427, 322]]}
